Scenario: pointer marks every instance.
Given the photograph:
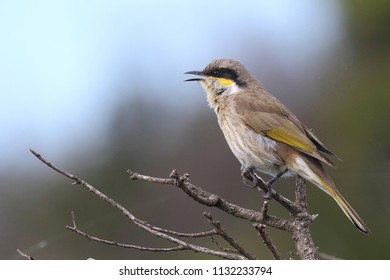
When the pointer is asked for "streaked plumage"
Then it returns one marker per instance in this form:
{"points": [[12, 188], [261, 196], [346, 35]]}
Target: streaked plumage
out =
{"points": [[262, 133]]}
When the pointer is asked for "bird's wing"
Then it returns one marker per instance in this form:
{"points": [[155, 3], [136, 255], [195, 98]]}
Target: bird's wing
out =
{"points": [[318, 143], [273, 120]]}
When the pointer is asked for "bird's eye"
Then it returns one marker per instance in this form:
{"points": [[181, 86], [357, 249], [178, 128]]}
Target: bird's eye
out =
{"points": [[216, 73]]}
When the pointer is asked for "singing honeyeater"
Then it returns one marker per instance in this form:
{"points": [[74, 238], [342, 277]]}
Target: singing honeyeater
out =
{"points": [[263, 134]]}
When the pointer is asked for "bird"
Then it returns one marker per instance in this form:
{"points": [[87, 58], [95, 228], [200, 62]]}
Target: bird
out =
{"points": [[264, 135]]}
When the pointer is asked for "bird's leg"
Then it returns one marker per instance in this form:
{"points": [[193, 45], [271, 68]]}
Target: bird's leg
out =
{"points": [[249, 175], [269, 183]]}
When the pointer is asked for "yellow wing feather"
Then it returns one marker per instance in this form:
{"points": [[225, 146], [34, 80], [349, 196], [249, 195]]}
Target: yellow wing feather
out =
{"points": [[291, 135]]}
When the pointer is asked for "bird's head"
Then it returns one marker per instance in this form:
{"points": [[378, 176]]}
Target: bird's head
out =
{"points": [[221, 78]]}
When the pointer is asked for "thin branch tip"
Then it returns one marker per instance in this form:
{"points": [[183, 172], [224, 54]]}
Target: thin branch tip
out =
{"points": [[132, 175], [174, 174], [314, 216], [207, 215], [73, 219], [185, 177], [264, 209], [38, 155], [24, 255]]}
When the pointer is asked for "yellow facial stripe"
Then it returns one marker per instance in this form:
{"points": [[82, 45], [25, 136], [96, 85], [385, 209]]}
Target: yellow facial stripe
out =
{"points": [[225, 82]]}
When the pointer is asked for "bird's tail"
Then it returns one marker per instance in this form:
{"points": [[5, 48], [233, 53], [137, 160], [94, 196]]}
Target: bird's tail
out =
{"points": [[312, 170]]}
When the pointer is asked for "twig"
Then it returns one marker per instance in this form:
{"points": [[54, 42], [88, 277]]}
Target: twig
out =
{"points": [[115, 243], [24, 255], [268, 241], [213, 200], [264, 209], [298, 225], [189, 235], [141, 224], [215, 241], [227, 237]]}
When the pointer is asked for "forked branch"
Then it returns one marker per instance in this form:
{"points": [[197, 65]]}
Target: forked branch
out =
{"points": [[297, 226]]}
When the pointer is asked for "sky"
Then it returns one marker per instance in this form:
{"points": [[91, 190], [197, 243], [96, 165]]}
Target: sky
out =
{"points": [[63, 64]]}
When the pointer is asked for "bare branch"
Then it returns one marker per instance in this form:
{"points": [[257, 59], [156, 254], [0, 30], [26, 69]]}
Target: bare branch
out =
{"points": [[24, 255], [300, 193], [115, 243], [189, 235], [298, 226], [142, 224], [301, 224], [212, 200], [264, 209], [225, 249], [268, 241], [228, 238]]}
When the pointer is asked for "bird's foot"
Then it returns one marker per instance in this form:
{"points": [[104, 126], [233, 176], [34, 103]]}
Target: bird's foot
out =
{"points": [[267, 192], [249, 175]]}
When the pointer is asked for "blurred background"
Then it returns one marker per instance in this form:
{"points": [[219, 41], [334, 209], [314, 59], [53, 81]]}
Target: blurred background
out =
{"points": [[97, 88]]}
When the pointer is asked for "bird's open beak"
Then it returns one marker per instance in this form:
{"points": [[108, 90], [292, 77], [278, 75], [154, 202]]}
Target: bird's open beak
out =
{"points": [[198, 73]]}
